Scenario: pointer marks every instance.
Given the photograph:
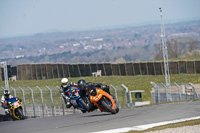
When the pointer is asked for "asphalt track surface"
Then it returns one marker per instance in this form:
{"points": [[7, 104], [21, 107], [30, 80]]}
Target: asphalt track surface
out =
{"points": [[98, 121]]}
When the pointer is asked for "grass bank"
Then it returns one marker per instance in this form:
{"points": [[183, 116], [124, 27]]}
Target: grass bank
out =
{"points": [[139, 82]]}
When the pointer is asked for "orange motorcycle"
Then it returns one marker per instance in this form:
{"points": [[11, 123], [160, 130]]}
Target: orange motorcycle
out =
{"points": [[103, 101]]}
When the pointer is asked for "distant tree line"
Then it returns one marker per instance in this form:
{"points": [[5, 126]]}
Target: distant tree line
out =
{"points": [[180, 47]]}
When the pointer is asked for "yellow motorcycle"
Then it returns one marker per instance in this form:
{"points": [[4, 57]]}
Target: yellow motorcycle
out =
{"points": [[16, 109]]}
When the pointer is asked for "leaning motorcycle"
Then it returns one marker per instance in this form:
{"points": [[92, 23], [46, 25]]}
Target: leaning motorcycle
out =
{"points": [[103, 101], [76, 100], [16, 109]]}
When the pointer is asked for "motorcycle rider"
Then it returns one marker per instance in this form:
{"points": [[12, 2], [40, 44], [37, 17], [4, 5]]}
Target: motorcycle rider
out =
{"points": [[87, 89], [4, 101], [65, 91]]}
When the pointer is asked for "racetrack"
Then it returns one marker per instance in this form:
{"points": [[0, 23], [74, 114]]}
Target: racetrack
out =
{"points": [[98, 121]]}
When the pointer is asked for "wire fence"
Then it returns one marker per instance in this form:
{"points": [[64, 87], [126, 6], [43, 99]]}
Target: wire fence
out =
{"points": [[40, 101], [47, 101], [175, 92]]}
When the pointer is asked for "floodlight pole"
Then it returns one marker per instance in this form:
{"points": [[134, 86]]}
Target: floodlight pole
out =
{"points": [[4, 64], [164, 49]]}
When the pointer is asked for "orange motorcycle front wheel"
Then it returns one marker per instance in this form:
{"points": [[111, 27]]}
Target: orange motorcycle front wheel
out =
{"points": [[107, 107]]}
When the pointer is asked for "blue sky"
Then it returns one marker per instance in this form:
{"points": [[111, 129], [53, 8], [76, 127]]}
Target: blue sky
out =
{"points": [[24, 17]]}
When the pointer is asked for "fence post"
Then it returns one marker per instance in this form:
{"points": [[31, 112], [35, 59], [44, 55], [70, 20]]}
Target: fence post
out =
{"points": [[127, 98], [23, 99], [130, 97], [52, 106], [115, 93], [167, 93], [13, 90], [197, 96], [41, 100], [62, 102], [156, 91], [32, 101], [2, 87], [179, 89]]}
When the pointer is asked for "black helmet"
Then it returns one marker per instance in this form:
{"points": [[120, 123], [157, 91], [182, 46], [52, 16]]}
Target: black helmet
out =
{"points": [[81, 84], [6, 94]]}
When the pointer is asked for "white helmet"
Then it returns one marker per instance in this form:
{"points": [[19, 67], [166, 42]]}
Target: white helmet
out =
{"points": [[6, 94], [64, 82]]}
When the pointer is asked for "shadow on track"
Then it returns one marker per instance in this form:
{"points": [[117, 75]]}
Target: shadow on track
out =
{"points": [[8, 118], [4, 118], [97, 115]]}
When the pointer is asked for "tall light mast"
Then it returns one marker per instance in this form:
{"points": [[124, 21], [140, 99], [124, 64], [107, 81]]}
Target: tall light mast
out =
{"points": [[164, 49]]}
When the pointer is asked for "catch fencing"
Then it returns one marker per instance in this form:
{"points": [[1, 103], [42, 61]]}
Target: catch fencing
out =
{"points": [[40, 101], [47, 101], [175, 92]]}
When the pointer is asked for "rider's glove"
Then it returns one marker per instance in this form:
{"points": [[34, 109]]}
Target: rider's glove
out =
{"points": [[66, 97], [61, 90]]}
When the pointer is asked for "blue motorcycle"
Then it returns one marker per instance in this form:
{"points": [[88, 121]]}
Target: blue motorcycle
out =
{"points": [[76, 100]]}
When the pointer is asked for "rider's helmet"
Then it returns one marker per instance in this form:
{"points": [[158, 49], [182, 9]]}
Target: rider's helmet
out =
{"points": [[64, 82], [6, 94], [81, 84]]}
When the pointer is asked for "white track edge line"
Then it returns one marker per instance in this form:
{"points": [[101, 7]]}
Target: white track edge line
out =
{"points": [[144, 127]]}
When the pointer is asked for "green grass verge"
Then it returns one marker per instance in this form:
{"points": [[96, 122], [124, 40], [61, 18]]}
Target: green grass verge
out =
{"points": [[132, 82]]}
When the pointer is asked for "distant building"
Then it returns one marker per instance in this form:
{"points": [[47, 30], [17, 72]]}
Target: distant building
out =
{"points": [[19, 56]]}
